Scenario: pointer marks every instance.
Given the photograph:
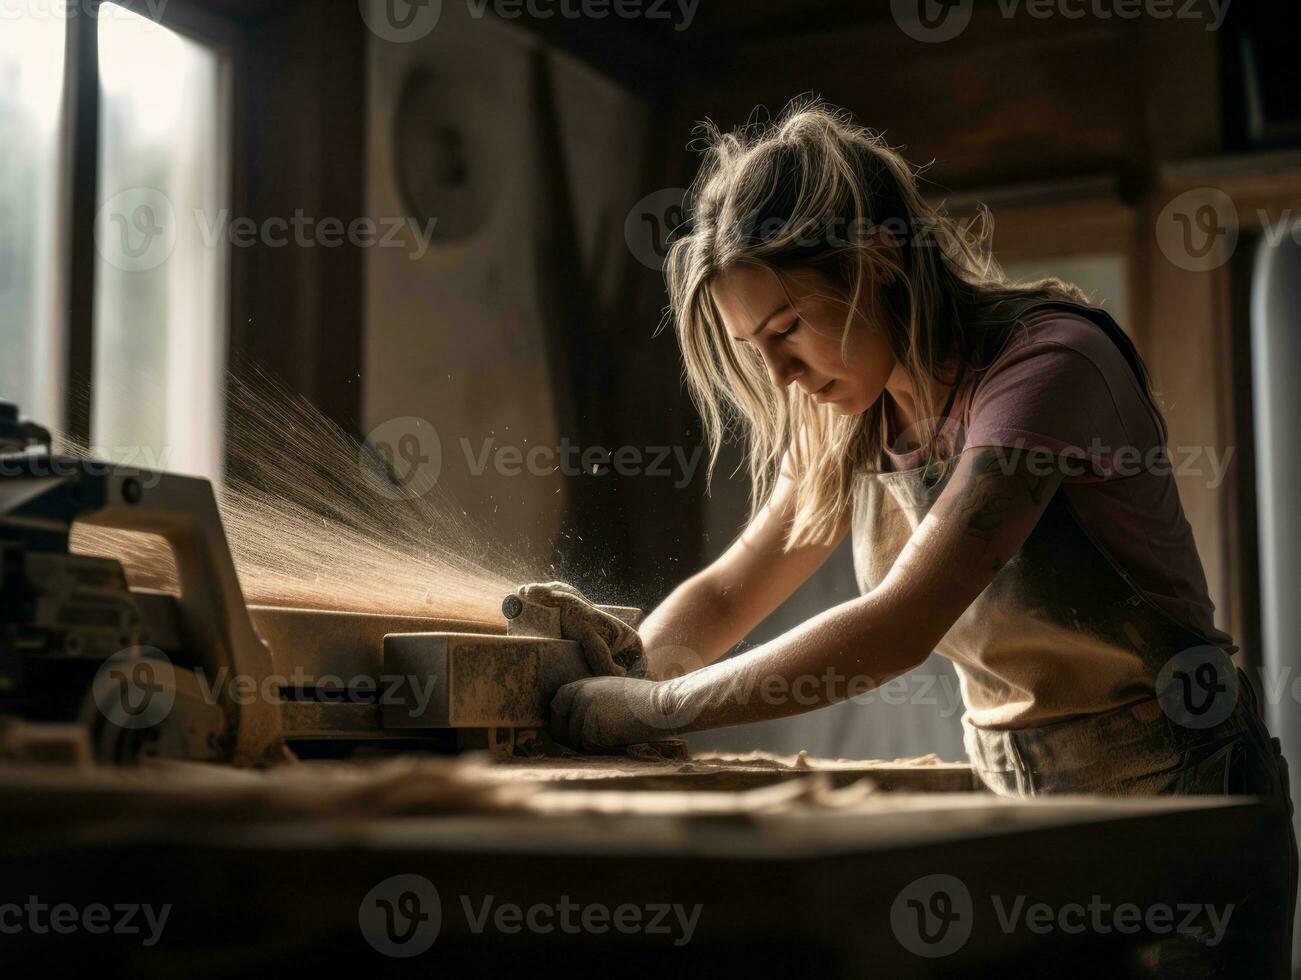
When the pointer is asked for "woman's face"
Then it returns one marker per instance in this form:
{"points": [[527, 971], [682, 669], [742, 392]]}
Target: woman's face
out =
{"points": [[798, 331]]}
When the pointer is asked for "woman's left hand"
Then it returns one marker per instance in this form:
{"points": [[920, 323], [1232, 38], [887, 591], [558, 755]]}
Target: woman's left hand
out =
{"points": [[603, 712]]}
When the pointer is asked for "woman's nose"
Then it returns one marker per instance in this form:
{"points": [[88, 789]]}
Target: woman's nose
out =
{"points": [[782, 369]]}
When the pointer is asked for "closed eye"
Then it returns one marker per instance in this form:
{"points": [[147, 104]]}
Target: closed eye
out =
{"points": [[779, 334]]}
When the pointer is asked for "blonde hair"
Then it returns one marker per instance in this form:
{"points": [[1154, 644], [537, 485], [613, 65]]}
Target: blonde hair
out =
{"points": [[814, 190]]}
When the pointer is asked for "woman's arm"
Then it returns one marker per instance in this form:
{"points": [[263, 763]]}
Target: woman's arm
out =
{"points": [[990, 506], [712, 611]]}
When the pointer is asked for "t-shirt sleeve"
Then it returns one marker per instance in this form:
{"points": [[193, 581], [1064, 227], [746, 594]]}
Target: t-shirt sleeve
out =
{"points": [[1054, 397]]}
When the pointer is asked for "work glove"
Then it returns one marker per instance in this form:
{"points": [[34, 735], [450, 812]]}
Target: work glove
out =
{"points": [[611, 646], [599, 713]]}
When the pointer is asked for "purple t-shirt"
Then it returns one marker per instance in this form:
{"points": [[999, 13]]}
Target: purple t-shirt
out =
{"points": [[1062, 385]]}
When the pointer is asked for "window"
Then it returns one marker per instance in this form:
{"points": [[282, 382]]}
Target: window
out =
{"points": [[31, 99], [159, 334], [151, 340]]}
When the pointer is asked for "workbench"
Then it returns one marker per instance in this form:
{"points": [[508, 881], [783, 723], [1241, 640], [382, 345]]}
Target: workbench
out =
{"points": [[795, 868]]}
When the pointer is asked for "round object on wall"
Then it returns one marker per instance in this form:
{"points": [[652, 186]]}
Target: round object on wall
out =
{"points": [[447, 163]]}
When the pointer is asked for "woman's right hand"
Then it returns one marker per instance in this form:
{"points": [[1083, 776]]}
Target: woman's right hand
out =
{"points": [[611, 646]]}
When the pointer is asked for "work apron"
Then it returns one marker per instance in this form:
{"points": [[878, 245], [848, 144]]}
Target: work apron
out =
{"points": [[1063, 598]]}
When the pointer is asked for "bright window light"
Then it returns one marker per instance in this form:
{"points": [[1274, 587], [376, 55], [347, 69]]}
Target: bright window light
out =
{"points": [[31, 97], [160, 303]]}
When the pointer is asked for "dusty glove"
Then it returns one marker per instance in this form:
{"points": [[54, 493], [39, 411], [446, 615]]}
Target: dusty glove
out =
{"points": [[611, 646], [603, 712]]}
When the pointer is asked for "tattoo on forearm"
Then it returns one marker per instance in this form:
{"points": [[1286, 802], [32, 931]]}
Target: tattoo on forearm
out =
{"points": [[976, 504], [985, 516], [983, 499]]}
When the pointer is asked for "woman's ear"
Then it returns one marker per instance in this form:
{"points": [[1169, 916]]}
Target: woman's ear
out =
{"points": [[886, 265]]}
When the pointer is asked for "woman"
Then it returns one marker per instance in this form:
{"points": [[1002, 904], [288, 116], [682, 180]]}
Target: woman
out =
{"points": [[997, 455]]}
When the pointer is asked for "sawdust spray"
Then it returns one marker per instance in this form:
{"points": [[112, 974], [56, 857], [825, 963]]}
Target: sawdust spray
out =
{"points": [[308, 526]]}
